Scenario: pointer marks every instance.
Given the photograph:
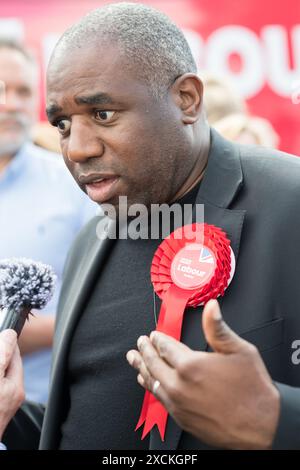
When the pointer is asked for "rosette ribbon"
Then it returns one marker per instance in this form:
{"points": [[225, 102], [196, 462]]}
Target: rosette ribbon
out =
{"points": [[194, 264]]}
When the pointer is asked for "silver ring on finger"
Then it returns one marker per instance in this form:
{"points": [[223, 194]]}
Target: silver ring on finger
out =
{"points": [[155, 387]]}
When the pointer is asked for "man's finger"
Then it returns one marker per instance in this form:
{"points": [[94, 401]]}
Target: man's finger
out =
{"points": [[9, 337], [156, 366], [15, 369], [145, 379], [8, 342], [168, 348], [156, 388], [218, 334], [136, 361]]}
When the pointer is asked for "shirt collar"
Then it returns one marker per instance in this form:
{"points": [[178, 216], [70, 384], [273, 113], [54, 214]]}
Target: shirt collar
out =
{"points": [[16, 165]]}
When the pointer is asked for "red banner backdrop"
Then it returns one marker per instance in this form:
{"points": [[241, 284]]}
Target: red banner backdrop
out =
{"points": [[263, 38]]}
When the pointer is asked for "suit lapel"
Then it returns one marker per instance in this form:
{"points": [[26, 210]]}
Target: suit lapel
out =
{"points": [[82, 283], [222, 181]]}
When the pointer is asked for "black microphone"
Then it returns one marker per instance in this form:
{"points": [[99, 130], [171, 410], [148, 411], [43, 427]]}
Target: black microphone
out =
{"points": [[24, 285]]}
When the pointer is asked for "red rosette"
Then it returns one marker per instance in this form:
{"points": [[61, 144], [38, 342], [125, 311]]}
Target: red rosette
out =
{"points": [[192, 265], [210, 237]]}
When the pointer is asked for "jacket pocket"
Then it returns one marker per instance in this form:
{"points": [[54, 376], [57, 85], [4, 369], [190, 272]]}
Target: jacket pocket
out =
{"points": [[266, 336]]}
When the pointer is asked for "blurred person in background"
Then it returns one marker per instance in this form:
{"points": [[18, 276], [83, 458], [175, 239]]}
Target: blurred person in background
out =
{"points": [[41, 209], [45, 136], [227, 112], [249, 130], [220, 98]]}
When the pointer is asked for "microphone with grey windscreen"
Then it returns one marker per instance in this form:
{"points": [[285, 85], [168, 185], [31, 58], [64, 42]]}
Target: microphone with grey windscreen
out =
{"points": [[24, 285]]}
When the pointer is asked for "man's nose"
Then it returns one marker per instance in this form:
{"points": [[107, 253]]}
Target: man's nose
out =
{"points": [[83, 144]]}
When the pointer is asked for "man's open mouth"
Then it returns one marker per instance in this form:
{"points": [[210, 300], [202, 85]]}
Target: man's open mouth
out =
{"points": [[100, 188]]}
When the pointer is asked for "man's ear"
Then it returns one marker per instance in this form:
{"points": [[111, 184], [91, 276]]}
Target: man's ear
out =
{"points": [[187, 93]]}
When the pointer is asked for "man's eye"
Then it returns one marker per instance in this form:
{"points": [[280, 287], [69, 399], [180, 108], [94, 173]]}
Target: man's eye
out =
{"points": [[63, 126], [104, 116]]}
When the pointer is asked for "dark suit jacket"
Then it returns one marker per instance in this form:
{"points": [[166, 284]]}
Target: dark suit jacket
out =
{"points": [[254, 195]]}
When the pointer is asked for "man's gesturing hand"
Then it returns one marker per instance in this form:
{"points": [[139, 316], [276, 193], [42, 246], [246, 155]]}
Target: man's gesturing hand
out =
{"points": [[11, 378], [225, 398]]}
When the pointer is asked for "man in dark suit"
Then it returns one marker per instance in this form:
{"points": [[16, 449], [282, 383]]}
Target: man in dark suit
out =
{"points": [[130, 114]]}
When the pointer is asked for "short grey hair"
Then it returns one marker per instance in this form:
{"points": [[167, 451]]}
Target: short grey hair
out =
{"points": [[153, 46]]}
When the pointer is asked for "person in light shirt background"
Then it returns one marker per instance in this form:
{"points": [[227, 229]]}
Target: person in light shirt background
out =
{"points": [[41, 208]]}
